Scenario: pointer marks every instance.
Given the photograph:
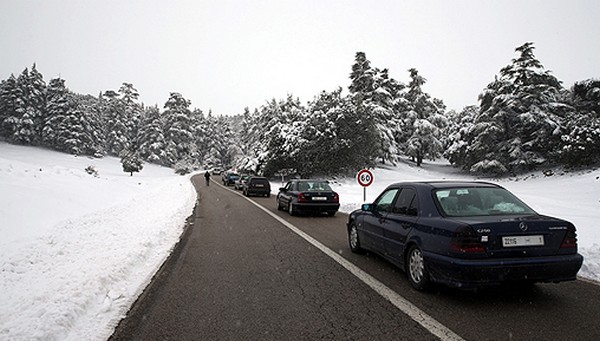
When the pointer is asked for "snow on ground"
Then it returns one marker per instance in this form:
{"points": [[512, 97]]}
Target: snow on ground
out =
{"points": [[77, 250]]}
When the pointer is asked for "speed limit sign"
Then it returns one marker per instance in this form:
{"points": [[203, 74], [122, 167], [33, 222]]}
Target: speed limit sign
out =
{"points": [[365, 178]]}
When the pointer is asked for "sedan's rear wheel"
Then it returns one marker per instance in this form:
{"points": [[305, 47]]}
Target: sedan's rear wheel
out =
{"points": [[353, 239], [279, 207], [416, 269]]}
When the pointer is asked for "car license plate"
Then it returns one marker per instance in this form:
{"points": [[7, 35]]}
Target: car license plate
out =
{"points": [[523, 241], [319, 198], [259, 185]]}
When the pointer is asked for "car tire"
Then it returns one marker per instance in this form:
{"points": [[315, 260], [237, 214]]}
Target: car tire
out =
{"points": [[353, 239], [291, 209], [245, 193], [268, 195], [416, 269], [279, 207]]}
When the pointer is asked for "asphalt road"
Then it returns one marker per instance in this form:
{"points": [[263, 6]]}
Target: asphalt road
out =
{"points": [[241, 274]]}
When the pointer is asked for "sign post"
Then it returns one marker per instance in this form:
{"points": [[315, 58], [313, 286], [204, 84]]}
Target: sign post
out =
{"points": [[365, 179]]}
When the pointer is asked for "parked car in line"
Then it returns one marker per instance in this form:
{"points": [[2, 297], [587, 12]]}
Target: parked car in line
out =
{"points": [[308, 196], [257, 185], [216, 171], [464, 234], [239, 183], [229, 178]]}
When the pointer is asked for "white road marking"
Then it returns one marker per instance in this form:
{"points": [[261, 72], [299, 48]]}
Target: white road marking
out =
{"points": [[428, 322]]}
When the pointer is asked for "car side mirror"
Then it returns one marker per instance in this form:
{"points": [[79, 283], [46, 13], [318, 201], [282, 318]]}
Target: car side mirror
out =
{"points": [[367, 207], [282, 189]]}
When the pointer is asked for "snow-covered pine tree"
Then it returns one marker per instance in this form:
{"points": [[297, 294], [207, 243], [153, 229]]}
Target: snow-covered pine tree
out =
{"points": [[580, 142], [336, 139], [222, 145], [34, 91], [518, 127], [12, 109], [131, 162], [179, 130], [91, 133], [456, 132], [151, 139], [375, 94], [281, 122], [423, 121], [116, 129], [58, 108], [132, 111]]}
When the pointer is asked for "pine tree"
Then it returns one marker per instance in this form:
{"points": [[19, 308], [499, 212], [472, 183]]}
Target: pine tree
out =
{"points": [[179, 133], [131, 162], [423, 121], [151, 138], [34, 93], [456, 132], [117, 126], [58, 109], [374, 93], [580, 142], [132, 111], [12, 109], [518, 127]]}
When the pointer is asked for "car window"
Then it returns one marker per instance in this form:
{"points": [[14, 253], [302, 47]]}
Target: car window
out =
{"points": [[480, 201], [319, 186], [383, 204], [406, 203]]}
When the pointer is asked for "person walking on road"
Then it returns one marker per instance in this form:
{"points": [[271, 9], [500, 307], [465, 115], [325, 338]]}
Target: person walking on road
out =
{"points": [[207, 177]]}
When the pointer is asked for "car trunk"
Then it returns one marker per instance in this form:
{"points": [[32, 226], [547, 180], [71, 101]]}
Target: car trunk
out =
{"points": [[319, 197], [523, 236]]}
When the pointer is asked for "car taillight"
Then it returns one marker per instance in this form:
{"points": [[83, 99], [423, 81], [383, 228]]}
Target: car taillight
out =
{"points": [[335, 198], [465, 240], [301, 197], [570, 240]]}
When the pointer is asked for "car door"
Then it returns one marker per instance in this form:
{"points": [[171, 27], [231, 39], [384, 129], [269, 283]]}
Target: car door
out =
{"points": [[284, 194], [373, 221], [399, 223]]}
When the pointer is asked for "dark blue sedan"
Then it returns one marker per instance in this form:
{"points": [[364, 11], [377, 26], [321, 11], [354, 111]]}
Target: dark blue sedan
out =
{"points": [[465, 235]]}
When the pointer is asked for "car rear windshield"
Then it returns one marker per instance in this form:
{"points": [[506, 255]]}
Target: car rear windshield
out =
{"points": [[479, 201], [313, 186], [259, 181]]}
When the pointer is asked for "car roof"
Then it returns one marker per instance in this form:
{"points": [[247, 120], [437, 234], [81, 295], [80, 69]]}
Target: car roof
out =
{"points": [[305, 180], [440, 184]]}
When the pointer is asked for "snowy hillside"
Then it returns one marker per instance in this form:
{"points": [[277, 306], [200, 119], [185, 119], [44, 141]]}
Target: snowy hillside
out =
{"points": [[76, 250]]}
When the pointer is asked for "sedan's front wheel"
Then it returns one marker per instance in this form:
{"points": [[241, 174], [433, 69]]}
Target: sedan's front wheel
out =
{"points": [[353, 239], [416, 269], [291, 209]]}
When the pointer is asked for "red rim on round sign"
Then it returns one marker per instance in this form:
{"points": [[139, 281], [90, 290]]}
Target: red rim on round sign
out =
{"points": [[364, 177]]}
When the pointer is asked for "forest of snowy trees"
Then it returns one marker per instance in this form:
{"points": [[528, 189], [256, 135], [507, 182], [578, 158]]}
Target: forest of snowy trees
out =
{"points": [[525, 120]]}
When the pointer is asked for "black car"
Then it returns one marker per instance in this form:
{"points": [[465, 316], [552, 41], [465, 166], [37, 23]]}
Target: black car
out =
{"points": [[316, 196], [257, 185], [464, 234], [229, 178]]}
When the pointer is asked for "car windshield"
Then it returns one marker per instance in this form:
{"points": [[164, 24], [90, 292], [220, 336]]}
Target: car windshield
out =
{"points": [[479, 201], [311, 186]]}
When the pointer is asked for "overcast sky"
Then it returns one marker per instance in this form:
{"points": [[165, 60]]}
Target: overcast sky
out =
{"points": [[226, 55]]}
